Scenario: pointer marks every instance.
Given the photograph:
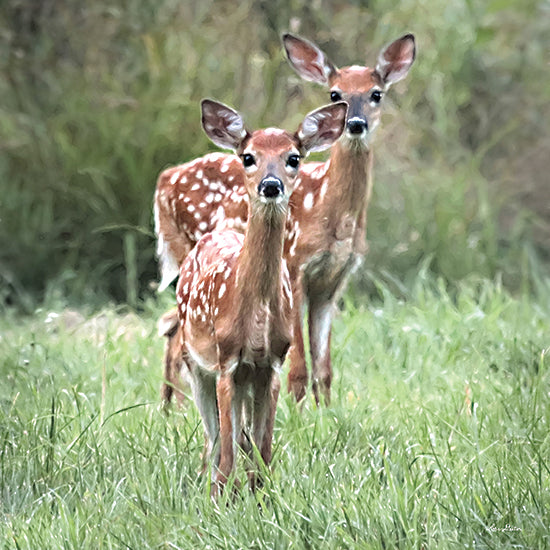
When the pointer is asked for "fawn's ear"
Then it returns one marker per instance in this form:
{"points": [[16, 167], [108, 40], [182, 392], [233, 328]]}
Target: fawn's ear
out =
{"points": [[307, 59], [223, 125], [395, 60], [322, 127]]}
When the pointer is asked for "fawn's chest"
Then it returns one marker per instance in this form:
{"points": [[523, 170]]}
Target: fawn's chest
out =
{"points": [[328, 245], [331, 239], [223, 331]]}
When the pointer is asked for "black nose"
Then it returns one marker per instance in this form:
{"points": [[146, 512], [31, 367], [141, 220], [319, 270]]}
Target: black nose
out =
{"points": [[271, 187], [357, 125]]}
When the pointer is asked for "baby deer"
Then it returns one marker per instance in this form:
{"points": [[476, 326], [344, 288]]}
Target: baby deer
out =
{"points": [[234, 295], [326, 227], [329, 209]]}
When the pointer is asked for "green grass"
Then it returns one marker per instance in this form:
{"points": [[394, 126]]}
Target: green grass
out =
{"points": [[438, 435]]}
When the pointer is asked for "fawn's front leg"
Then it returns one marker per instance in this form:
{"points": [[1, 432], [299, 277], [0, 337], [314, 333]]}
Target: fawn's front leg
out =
{"points": [[270, 423], [225, 393], [320, 326], [297, 374], [266, 393], [203, 385]]}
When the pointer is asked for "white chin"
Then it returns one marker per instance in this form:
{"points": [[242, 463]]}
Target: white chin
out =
{"points": [[272, 200], [356, 140]]}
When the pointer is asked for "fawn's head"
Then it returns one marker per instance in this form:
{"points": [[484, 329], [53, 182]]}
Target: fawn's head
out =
{"points": [[361, 87], [271, 157]]}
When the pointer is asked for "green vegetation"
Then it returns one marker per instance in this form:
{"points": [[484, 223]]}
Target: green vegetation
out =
{"points": [[98, 99], [438, 436]]}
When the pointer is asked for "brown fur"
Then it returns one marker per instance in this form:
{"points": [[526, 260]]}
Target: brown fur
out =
{"points": [[175, 381], [326, 228], [332, 235], [234, 296]]}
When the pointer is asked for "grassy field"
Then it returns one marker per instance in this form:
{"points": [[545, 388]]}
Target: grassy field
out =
{"points": [[438, 436]]}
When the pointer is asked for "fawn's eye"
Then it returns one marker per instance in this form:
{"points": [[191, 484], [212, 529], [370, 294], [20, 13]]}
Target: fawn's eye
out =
{"points": [[248, 160], [335, 96], [376, 96], [293, 161]]}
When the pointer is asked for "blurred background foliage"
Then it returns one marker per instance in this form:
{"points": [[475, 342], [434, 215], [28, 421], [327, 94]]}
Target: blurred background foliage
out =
{"points": [[98, 97]]}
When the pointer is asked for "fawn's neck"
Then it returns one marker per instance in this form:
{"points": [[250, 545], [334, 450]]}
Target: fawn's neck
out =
{"points": [[259, 271], [350, 176]]}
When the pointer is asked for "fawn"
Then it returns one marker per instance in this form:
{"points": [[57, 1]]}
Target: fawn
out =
{"points": [[234, 295], [331, 218], [326, 228]]}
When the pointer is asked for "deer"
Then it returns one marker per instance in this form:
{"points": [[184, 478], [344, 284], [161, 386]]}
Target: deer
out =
{"points": [[326, 228], [332, 218], [234, 297]]}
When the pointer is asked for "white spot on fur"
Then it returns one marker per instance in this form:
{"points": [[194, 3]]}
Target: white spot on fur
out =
{"points": [[324, 188], [174, 177], [222, 290], [273, 132], [226, 164], [219, 215], [308, 201], [193, 162], [215, 157], [296, 230]]}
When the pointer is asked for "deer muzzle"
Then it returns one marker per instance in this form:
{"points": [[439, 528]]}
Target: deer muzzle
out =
{"points": [[271, 187], [357, 125]]}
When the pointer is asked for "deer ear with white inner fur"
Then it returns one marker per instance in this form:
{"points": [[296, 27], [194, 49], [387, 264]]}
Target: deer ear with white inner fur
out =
{"points": [[395, 60], [307, 59], [322, 127], [223, 125]]}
